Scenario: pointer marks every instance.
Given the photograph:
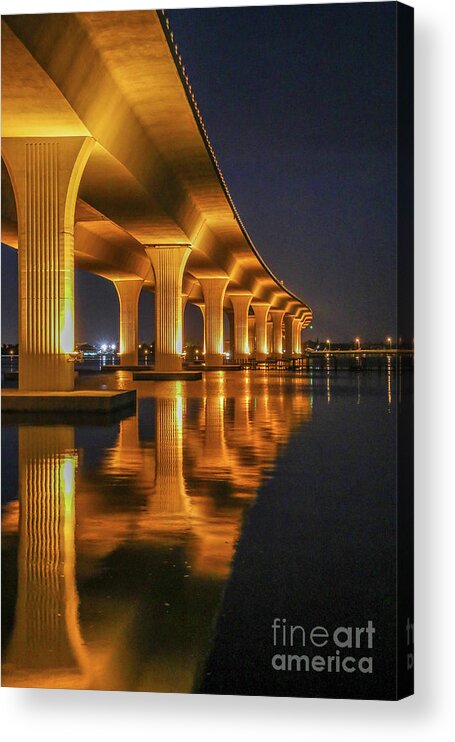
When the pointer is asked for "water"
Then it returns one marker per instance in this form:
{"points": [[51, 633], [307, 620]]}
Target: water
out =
{"points": [[152, 553]]}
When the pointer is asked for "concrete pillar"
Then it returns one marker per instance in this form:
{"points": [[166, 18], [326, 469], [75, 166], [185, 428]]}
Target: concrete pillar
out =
{"points": [[292, 335], [261, 312], [298, 338], [241, 304], [201, 306], [288, 345], [277, 321], [230, 316], [128, 294], [269, 333], [45, 174], [252, 334], [213, 290], [168, 264]]}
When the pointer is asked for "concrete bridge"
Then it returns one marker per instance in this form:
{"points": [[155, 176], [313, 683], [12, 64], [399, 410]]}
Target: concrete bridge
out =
{"points": [[106, 165]]}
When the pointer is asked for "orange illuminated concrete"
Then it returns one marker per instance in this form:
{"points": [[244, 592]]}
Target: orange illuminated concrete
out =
{"points": [[141, 187], [97, 401]]}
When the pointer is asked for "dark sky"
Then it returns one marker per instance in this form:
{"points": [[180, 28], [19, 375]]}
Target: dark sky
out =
{"points": [[299, 104]]}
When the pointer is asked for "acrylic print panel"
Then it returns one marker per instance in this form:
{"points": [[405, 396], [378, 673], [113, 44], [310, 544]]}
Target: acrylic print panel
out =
{"points": [[207, 352]]}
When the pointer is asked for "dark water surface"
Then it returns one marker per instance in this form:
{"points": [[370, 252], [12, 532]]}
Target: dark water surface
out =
{"points": [[153, 553]]}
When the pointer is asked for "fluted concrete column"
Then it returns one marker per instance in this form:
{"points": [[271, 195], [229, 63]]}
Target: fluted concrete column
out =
{"points": [[252, 334], [168, 264], [269, 332], [201, 306], [288, 345], [298, 338], [241, 304], [128, 294], [277, 321], [45, 174], [213, 290], [230, 316], [292, 330], [261, 312]]}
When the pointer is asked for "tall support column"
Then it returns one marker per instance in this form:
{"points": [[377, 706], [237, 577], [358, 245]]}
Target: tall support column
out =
{"points": [[261, 312], [269, 332], [252, 334], [128, 294], [201, 306], [241, 304], [298, 338], [45, 174], [213, 290], [230, 316], [288, 345], [168, 264], [277, 321]]}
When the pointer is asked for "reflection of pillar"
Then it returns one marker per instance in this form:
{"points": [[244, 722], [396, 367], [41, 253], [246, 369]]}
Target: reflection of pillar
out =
{"points": [[213, 290], [168, 265], [277, 321], [128, 294], [45, 174], [261, 312], [169, 482], [240, 305], [46, 648], [214, 459]]}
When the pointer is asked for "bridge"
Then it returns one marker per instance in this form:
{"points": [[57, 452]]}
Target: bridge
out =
{"points": [[107, 166]]}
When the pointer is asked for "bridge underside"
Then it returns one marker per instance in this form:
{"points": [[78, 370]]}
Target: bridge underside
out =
{"points": [[107, 166]]}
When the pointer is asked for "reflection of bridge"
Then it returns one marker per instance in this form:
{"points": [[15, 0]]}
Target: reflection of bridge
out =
{"points": [[109, 168], [186, 489]]}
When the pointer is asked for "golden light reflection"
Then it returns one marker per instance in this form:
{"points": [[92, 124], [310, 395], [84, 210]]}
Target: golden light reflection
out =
{"points": [[159, 514], [46, 648], [67, 472]]}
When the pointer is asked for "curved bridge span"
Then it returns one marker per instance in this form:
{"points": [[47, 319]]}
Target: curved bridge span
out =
{"points": [[106, 165]]}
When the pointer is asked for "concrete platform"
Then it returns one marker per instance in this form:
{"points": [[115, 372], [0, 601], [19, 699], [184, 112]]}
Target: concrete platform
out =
{"points": [[167, 375], [111, 368], [224, 367], [221, 367], [108, 368], [86, 401]]}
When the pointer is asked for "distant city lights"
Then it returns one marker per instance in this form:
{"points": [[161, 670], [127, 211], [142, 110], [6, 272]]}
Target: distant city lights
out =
{"points": [[104, 347]]}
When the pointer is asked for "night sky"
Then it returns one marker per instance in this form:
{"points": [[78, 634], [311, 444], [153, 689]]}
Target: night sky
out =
{"points": [[299, 105]]}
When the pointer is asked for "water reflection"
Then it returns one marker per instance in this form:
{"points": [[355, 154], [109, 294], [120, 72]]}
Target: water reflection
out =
{"points": [[126, 533], [46, 648]]}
